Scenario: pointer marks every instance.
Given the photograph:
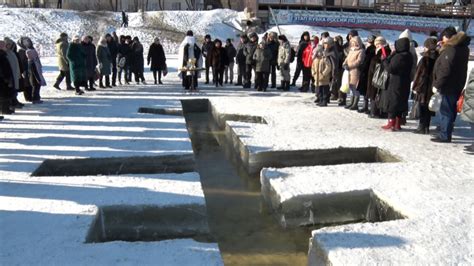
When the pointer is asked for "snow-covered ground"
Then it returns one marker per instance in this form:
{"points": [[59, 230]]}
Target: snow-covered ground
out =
{"points": [[44, 220]]}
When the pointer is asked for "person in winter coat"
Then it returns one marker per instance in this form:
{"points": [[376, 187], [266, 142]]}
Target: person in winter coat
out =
{"points": [[249, 58], [307, 63], [189, 57], [241, 60], [331, 53], [206, 50], [16, 70], [314, 46], [376, 97], [157, 58], [467, 113], [124, 19], [353, 64], [91, 61], [304, 41], [364, 74], [105, 62], [338, 70], [262, 57], [398, 65], [129, 60], [77, 64], [407, 34], [137, 64], [61, 50], [284, 57], [231, 54], [272, 44], [7, 90], [122, 64], [322, 70], [423, 84], [113, 49], [25, 85], [36, 72], [450, 73], [219, 61]]}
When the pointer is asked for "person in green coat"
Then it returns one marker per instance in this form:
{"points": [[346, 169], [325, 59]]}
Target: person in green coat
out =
{"points": [[105, 62], [77, 64], [62, 46]]}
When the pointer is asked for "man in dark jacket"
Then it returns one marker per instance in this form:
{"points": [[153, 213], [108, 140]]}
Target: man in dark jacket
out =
{"points": [[219, 61], [231, 53], [250, 48], [241, 60], [450, 73], [364, 74], [273, 45], [305, 38], [113, 49], [123, 51], [207, 47], [7, 91], [91, 61]]}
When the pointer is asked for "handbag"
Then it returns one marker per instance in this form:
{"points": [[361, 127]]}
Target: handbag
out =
{"points": [[165, 72], [435, 102], [345, 82], [121, 62], [380, 78], [460, 102]]}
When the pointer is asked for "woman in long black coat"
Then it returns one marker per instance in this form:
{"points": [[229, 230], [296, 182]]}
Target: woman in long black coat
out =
{"points": [[91, 61], [156, 55], [382, 50], [364, 74], [398, 65], [137, 62], [423, 84]]}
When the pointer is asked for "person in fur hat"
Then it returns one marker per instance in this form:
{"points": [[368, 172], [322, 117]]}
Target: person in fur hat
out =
{"points": [[450, 74]]}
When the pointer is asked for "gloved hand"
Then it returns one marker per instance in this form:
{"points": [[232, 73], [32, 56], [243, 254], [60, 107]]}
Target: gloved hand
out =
{"points": [[278, 67], [346, 67], [435, 90], [286, 66]]}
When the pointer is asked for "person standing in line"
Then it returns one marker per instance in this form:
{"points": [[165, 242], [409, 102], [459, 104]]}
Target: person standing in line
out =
{"points": [[322, 73], [25, 85], [7, 91], [16, 70], [284, 58], [330, 52], [123, 51], [262, 57], [273, 45], [249, 59], [113, 49], [189, 57], [105, 63], [219, 62], [207, 47], [450, 74], [364, 73], [353, 62], [129, 60], [77, 64], [241, 65], [231, 54], [124, 19], [338, 71], [36, 69], [62, 46], [91, 61], [137, 63], [299, 56], [398, 65], [423, 84], [157, 58], [307, 63], [467, 113], [376, 96]]}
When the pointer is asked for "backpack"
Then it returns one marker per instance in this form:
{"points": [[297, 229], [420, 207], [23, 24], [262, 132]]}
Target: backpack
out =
{"points": [[292, 55]]}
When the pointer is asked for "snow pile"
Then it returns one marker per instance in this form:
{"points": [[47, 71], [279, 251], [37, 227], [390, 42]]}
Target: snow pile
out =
{"points": [[45, 25]]}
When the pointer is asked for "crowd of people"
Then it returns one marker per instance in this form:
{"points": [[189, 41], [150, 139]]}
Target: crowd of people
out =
{"points": [[384, 77], [80, 63]]}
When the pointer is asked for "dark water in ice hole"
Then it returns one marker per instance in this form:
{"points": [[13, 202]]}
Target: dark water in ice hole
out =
{"points": [[245, 230]]}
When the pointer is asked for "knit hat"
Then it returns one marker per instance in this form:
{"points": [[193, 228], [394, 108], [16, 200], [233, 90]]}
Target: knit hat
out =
{"points": [[448, 32], [207, 36], [329, 41], [380, 40], [217, 41], [353, 33], [371, 39], [63, 35], [325, 34], [406, 34], [431, 43], [253, 35], [189, 33]]}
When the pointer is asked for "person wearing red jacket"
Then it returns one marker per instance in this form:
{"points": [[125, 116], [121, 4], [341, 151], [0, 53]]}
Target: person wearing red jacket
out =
{"points": [[307, 62]]}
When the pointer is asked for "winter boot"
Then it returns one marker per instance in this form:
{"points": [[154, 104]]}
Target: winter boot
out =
{"points": [[56, 86], [365, 109], [78, 91], [342, 99], [107, 82], [421, 130], [351, 103], [355, 105], [91, 85], [389, 125], [396, 126], [101, 84], [282, 86]]}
